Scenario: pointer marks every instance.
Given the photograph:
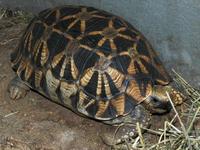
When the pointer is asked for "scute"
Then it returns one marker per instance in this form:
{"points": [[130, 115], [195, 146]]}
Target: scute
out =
{"points": [[89, 60]]}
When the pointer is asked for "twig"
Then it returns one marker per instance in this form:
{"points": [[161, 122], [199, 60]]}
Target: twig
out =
{"points": [[180, 121], [193, 119], [8, 115], [7, 41], [140, 135]]}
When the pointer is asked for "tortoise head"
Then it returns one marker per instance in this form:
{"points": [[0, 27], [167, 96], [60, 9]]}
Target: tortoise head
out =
{"points": [[158, 101]]}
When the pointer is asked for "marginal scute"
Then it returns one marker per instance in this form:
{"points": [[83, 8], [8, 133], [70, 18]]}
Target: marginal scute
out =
{"points": [[119, 104], [38, 78], [67, 90], [84, 103], [102, 106], [52, 85]]}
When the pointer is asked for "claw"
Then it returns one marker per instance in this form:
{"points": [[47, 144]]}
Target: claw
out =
{"points": [[17, 89], [16, 92]]}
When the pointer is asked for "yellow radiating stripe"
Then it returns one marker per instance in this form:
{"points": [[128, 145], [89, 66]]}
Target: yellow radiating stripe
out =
{"points": [[29, 42], [86, 47], [83, 26], [107, 87], [66, 35], [72, 24], [87, 76], [134, 91], [38, 77], [101, 42], [100, 53], [28, 71], [99, 84], [67, 90], [142, 66], [121, 29], [119, 104], [57, 31], [57, 59], [21, 66], [102, 106], [95, 33], [84, 9], [52, 84], [131, 68], [116, 76], [68, 17], [94, 12], [124, 53], [82, 98], [98, 16], [62, 71], [74, 70], [112, 44], [37, 49], [57, 15], [110, 23], [92, 101], [44, 54], [125, 37], [163, 82]]}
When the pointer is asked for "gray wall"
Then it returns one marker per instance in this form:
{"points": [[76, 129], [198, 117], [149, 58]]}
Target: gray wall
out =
{"points": [[172, 26]]}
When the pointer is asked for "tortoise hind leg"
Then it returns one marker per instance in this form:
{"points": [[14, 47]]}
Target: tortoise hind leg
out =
{"points": [[17, 88]]}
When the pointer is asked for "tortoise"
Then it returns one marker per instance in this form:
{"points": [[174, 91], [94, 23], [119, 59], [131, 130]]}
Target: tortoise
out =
{"points": [[94, 63]]}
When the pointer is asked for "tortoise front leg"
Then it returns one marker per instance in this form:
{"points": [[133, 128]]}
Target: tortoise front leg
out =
{"points": [[127, 124], [17, 88]]}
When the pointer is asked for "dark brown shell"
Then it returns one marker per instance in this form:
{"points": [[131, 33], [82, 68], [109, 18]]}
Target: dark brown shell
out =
{"points": [[89, 60]]}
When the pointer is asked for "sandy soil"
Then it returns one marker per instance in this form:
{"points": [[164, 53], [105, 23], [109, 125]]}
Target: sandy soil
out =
{"points": [[37, 123]]}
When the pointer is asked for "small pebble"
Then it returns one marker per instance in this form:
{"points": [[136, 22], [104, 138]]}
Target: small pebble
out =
{"points": [[119, 140], [125, 136], [131, 134]]}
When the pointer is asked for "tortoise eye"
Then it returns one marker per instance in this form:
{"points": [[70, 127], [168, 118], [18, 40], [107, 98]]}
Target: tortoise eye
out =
{"points": [[155, 101]]}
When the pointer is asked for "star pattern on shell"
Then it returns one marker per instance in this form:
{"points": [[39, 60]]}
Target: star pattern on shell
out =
{"points": [[88, 59], [109, 33], [82, 16]]}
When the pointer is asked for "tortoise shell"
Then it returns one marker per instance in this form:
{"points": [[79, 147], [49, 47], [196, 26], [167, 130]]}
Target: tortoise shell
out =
{"points": [[88, 60]]}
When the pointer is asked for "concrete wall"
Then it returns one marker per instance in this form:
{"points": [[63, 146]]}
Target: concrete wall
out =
{"points": [[172, 26]]}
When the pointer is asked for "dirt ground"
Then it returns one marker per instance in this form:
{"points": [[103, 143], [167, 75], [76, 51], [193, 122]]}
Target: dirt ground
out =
{"points": [[37, 123]]}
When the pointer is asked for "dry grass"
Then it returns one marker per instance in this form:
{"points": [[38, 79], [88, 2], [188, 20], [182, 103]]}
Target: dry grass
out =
{"points": [[18, 15], [182, 136]]}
